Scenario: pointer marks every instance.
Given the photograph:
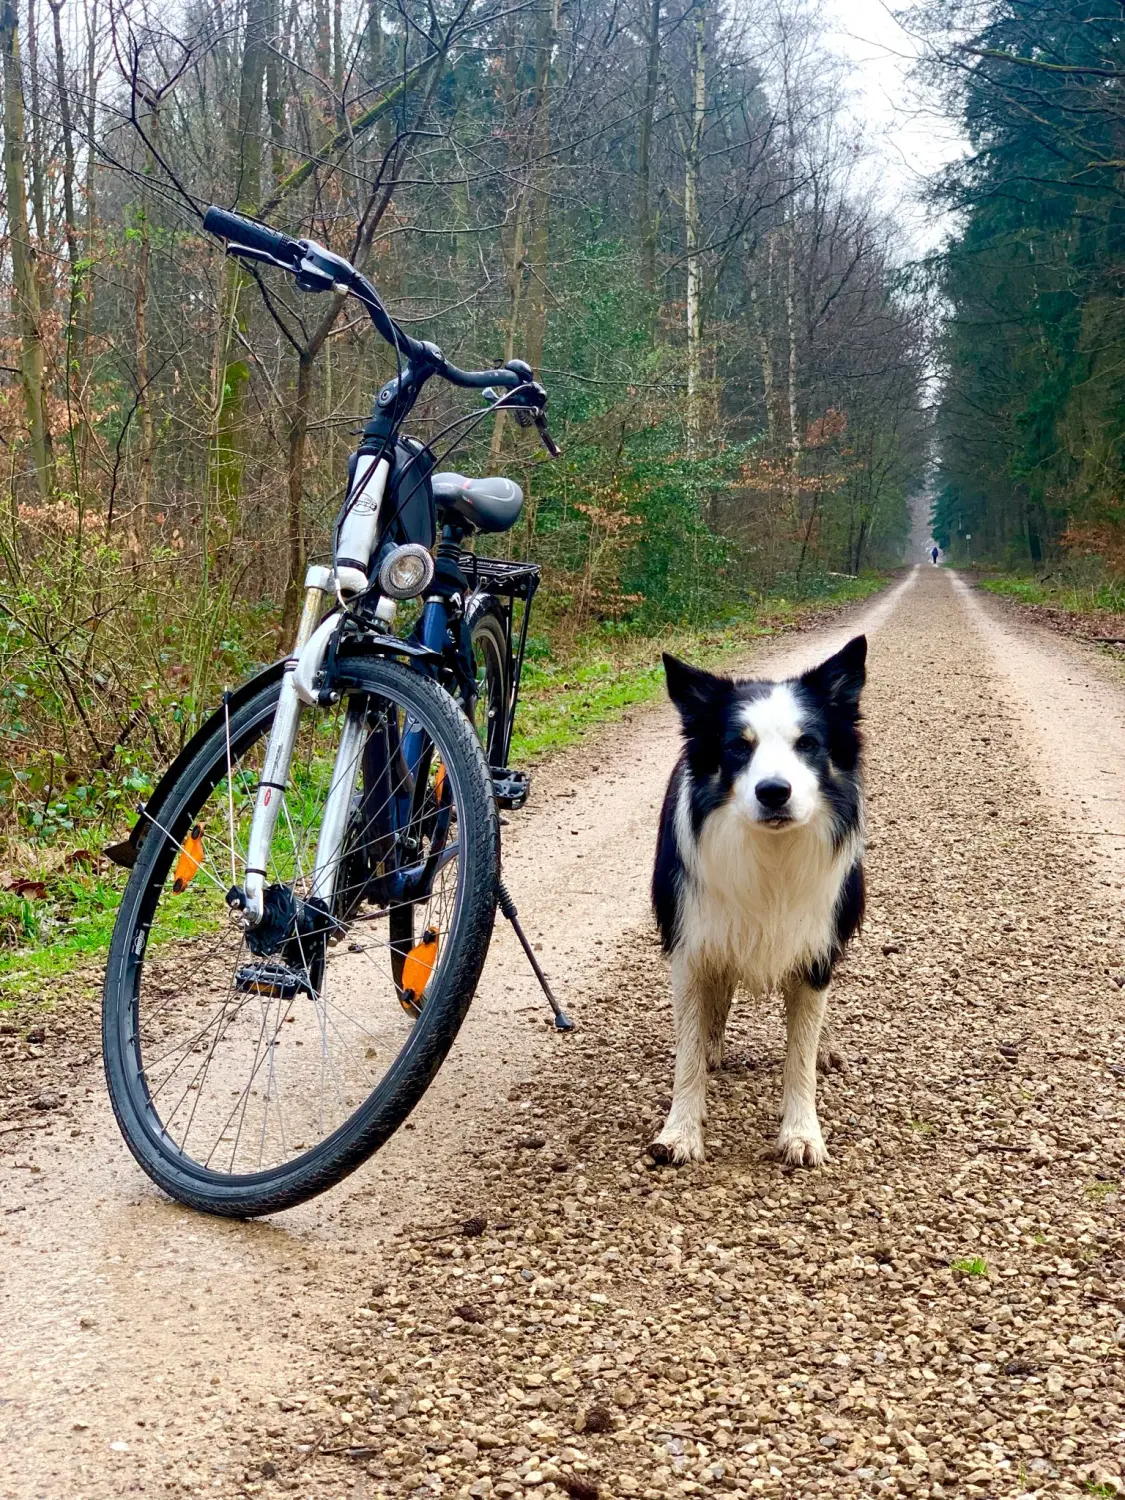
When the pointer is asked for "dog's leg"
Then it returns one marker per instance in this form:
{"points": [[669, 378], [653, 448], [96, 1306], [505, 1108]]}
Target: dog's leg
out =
{"points": [[692, 1004], [718, 1011], [799, 1140]]}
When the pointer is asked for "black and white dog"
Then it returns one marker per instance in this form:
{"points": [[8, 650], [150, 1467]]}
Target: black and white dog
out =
{"points": [[759, 874]]}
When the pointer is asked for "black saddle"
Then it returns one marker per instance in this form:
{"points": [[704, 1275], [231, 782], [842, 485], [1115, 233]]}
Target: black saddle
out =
{"points": [[485, 504]]}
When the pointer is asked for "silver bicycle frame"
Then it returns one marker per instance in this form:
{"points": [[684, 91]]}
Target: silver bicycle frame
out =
{"points": [[298, 688], [319, 582]]}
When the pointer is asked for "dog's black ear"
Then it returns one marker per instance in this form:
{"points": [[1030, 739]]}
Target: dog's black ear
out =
{"points": [[839, 680], [699, 696]]}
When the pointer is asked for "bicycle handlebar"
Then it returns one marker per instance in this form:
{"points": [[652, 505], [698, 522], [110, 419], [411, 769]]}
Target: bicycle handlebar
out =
{"points": [[318, 269], [254, 236]]}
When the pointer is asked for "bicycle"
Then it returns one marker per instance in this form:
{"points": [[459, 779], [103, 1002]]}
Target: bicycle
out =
{"points": [[315, 878]]}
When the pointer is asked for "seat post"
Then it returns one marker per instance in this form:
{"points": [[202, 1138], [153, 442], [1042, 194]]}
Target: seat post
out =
{"points": [[436, 612]]}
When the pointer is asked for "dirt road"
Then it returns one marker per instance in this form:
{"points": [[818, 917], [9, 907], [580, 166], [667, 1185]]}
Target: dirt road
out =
{"points": [[939, 1311]]}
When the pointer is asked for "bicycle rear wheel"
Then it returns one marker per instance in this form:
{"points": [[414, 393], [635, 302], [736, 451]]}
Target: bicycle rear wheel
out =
{"points": [[492, 665], [250, 1071]]}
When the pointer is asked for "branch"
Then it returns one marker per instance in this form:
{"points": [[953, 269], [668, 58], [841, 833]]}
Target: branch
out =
{"points": [[346, 136], [1047, 67]]}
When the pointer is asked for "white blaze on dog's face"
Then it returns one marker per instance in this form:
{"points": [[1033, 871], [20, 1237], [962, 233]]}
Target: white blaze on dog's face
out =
{"points": [[782, 754], [779, 787]]}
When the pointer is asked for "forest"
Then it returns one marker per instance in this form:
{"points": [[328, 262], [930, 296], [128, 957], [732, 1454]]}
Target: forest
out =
{"points": [[1030, 440], [662, 206]]}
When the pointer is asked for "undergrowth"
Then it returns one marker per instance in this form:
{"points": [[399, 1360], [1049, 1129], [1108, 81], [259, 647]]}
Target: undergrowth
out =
{"points": [[59, 895]]}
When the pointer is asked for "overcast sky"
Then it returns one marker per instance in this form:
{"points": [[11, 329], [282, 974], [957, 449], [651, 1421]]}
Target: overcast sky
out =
{"points": [[912, 142]]}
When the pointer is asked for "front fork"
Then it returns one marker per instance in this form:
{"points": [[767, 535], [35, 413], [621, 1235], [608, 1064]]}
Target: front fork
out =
{"points": [[278, 758], [250, 901]]}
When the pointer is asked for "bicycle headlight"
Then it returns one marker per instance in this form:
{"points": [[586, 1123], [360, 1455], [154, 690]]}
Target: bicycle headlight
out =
{"points": [[406, 572]]}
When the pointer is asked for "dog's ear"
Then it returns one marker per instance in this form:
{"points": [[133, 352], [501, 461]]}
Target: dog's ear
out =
{"points": [[699, 696], [839, 680]]}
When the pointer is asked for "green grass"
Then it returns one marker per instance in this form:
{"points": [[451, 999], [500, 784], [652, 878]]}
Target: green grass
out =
{"points": [[609, 672], [1106, 597], [606, 672], [68, 927], [1098, 1189], [974, 1265]]}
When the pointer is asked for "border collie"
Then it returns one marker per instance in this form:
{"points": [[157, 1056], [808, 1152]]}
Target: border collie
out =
{"points": [[759, 874]]}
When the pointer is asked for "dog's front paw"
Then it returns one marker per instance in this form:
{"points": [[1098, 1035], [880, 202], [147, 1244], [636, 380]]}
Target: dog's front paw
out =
{"points": [[801, 1145], [675, 1146]]}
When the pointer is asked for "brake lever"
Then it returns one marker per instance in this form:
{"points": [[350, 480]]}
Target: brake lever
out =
{"points": [[525, 415], [545, 437], [247, 252]]}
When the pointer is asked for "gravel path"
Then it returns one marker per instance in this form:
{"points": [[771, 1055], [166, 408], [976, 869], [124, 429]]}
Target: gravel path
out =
{"points": [[510, 1302]]}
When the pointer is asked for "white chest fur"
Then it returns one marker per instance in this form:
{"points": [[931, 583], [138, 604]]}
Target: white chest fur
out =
{"points": [[759, 902]]}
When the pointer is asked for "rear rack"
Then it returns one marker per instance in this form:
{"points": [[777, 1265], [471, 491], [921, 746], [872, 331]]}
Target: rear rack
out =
{"points": [[508, 581], [513, 580]]}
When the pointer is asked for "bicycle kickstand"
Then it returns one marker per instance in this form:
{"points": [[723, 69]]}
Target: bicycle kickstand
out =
{"points": [[508, 907]]}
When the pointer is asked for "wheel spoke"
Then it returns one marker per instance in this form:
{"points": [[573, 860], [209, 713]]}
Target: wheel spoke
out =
{"points": [[252, 1049]]}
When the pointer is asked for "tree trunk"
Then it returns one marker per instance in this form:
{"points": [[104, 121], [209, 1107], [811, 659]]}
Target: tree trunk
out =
{"points": [[245, 150], [762, 333], [861, 541], [646, 224], [275, 98], [74, 353], [36, 163], [91, 181], [295, 521], [246, 143], [692, 230], [25, 286], [338, 61], [791, 332], [522, 209], [140, 326], [540, 240]]}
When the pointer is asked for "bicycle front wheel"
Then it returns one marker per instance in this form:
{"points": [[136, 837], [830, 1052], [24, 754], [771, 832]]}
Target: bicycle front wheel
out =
{"points": [[251, 1070]]}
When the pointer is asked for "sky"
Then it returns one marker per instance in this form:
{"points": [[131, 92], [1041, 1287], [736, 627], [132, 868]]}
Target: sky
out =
{"points": [[910, 141]]}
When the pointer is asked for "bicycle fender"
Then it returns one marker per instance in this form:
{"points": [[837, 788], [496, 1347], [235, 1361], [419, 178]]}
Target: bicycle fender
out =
{"points": [[125, 853], [336, 670]]}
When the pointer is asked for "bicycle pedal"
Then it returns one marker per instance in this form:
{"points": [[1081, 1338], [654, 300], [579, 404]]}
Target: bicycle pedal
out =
{"points": [[511, 788], [277, 980]]}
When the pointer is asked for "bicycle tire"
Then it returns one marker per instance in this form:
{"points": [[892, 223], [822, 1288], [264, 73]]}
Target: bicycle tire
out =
{"points": [[246, 1195], [492, 666], [492, 663]]}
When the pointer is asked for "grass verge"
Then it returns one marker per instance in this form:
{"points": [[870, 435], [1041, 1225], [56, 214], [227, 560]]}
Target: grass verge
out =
{"points": [[607, 672], [58, 897], [1073, 599]]}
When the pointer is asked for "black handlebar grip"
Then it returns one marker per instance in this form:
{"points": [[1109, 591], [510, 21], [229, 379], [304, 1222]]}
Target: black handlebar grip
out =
{"points": [[233, 227], [474, 380]]}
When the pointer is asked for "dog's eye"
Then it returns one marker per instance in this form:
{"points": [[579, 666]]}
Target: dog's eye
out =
{"points": [[806, 742]]}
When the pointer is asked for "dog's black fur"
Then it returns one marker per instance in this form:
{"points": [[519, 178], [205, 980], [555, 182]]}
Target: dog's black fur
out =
{"points": [[715, 751], [775, 891]]}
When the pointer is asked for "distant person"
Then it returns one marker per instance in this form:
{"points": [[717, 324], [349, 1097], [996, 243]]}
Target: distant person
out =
{"points": [[934, 556]]}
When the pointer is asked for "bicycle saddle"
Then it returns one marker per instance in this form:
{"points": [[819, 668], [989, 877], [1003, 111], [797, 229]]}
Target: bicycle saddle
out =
{"points": [[486, 504]]}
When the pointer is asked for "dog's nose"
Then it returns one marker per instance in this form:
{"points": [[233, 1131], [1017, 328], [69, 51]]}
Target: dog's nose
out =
{"points": [[773, 793]]}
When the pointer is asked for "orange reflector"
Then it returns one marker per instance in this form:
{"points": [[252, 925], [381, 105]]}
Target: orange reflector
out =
{"points": [[416, 971], [189, 861], [439, 783]]}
